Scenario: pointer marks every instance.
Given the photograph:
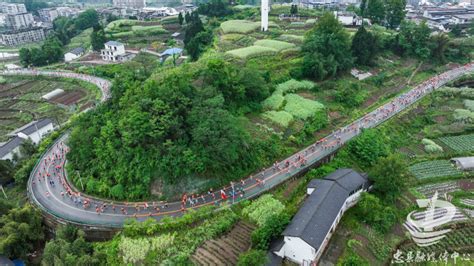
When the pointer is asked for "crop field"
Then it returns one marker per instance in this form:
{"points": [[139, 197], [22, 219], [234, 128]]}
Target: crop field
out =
{"points": [[435, 168], [281, 118], [300, 107], [459, 143], [251, 52], [128, 28], [276, 45], [291, 38], [21, 102], [239, 26]]}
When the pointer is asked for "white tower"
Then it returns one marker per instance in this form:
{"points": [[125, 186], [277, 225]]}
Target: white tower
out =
{"points": [[264, 9]]}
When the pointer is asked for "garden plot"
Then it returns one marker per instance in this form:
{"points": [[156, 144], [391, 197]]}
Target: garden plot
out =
{"points": [[460, 143], [280, 118], [442, 188], [69, 98], [300, 107], [275, 45], [436, 168], [468, 202], [251, 52], [239, 26]]}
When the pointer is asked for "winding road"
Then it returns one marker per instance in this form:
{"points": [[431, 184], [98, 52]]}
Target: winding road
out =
{"points": [[49, 189]]}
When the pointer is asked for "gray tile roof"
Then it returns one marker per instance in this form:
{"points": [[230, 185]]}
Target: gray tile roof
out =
{"points": [[114, 43], [10, 146], [77, 51], [30, 128], [314, 219]]}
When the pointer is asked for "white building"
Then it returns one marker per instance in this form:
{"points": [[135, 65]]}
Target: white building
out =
{"points": [[74, 54], [11, 8], [22, 36], [308, 234], [136, 4], [48, 14], [19, 21], [35, 131], [115, 52]]}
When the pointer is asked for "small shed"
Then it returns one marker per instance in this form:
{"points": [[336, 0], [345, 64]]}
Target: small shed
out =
{"points": [[464, 163], [73, 54]]}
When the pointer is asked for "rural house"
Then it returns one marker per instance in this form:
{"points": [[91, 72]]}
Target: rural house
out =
{"points": [[115, 52], [307, 235], [74, 54]]}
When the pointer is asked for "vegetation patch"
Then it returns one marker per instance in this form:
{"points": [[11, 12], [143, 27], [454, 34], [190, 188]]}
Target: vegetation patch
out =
{"points": [[276, 45], [281, 118], [460, 143], [431, 146], [251, 52], [300, 107], [435, 168], [274, 102], [291, 38], [239, 26], [293, 85]]}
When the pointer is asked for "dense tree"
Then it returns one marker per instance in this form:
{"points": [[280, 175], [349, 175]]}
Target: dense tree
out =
{"points": [[187, 17], [456, 31], [439, 45], [28, 148], [196, 37], [294, 10], [180, 18], [25, 57], [6, 171], [86, 19], [253, 257], [69, 248], [372, 211], [215, 8], [368, 147], [179, 124], [364, 47], [20, 230], [389, 176], [33, 5], [350, 95], [50, 52], [363, 8], [98, 38], [375, 11], [413, 39], [64, 29], [326, 49], [395, 12]]}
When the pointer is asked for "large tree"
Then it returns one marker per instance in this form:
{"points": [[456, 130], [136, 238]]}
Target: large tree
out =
{"points": [[326, 49], [375, 11], [390, 177], [20, 230], [414, 39], [364, 47], [439, 45], [395, 12], [86, 19], [98, 38]]}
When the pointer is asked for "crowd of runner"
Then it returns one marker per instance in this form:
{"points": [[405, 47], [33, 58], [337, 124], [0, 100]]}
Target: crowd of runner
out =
{"points": [[50, 172]]}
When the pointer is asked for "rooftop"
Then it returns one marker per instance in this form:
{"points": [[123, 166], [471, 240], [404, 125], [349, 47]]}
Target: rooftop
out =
{"points": [[10, 146], [77, 51], [320, 209], [31, 127], [113, 43], [172, 51]]}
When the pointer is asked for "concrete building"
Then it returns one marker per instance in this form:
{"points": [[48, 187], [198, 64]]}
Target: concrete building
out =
{"points": [[115, 52], [35, 131], [12, 8], [264, 9], [74, 54], [308, 234], [48, 14], [22, 36], [19, 21], [136, 4]]}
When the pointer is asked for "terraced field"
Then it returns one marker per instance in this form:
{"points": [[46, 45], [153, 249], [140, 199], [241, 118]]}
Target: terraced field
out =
{"points": [[21, 102], [226, 249]]}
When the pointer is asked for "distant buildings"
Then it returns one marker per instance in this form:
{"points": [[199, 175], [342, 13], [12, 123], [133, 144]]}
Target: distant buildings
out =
{"points": [[48, 14], [308, 233], [74, 54], [22, 36], [115, 52], [442, 18], [137, 4], [11, 8], [19, 21], [35, 131]]}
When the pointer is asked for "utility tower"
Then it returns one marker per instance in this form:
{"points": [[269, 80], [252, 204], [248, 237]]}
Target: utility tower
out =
{"points": [[264, 14]]}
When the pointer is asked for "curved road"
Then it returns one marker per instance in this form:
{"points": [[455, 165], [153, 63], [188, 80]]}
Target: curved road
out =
{"points": [[49, 189]]}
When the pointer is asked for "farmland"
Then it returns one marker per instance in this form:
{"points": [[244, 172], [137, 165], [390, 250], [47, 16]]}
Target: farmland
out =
{"points": [[21, 102], [460, 143], [435, 168]]}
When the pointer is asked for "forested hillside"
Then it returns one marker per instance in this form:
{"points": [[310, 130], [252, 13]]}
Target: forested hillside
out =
{"points": [[180, 122]]}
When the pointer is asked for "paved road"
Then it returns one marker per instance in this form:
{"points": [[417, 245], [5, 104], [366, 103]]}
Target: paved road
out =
{"points": [[50, 190]]}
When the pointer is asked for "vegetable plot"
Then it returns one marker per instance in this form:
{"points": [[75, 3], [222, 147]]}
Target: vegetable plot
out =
{"points": [[436, 168]]}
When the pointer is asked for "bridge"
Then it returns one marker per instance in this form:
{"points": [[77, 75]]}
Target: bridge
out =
{"points": [[50, 190]]}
